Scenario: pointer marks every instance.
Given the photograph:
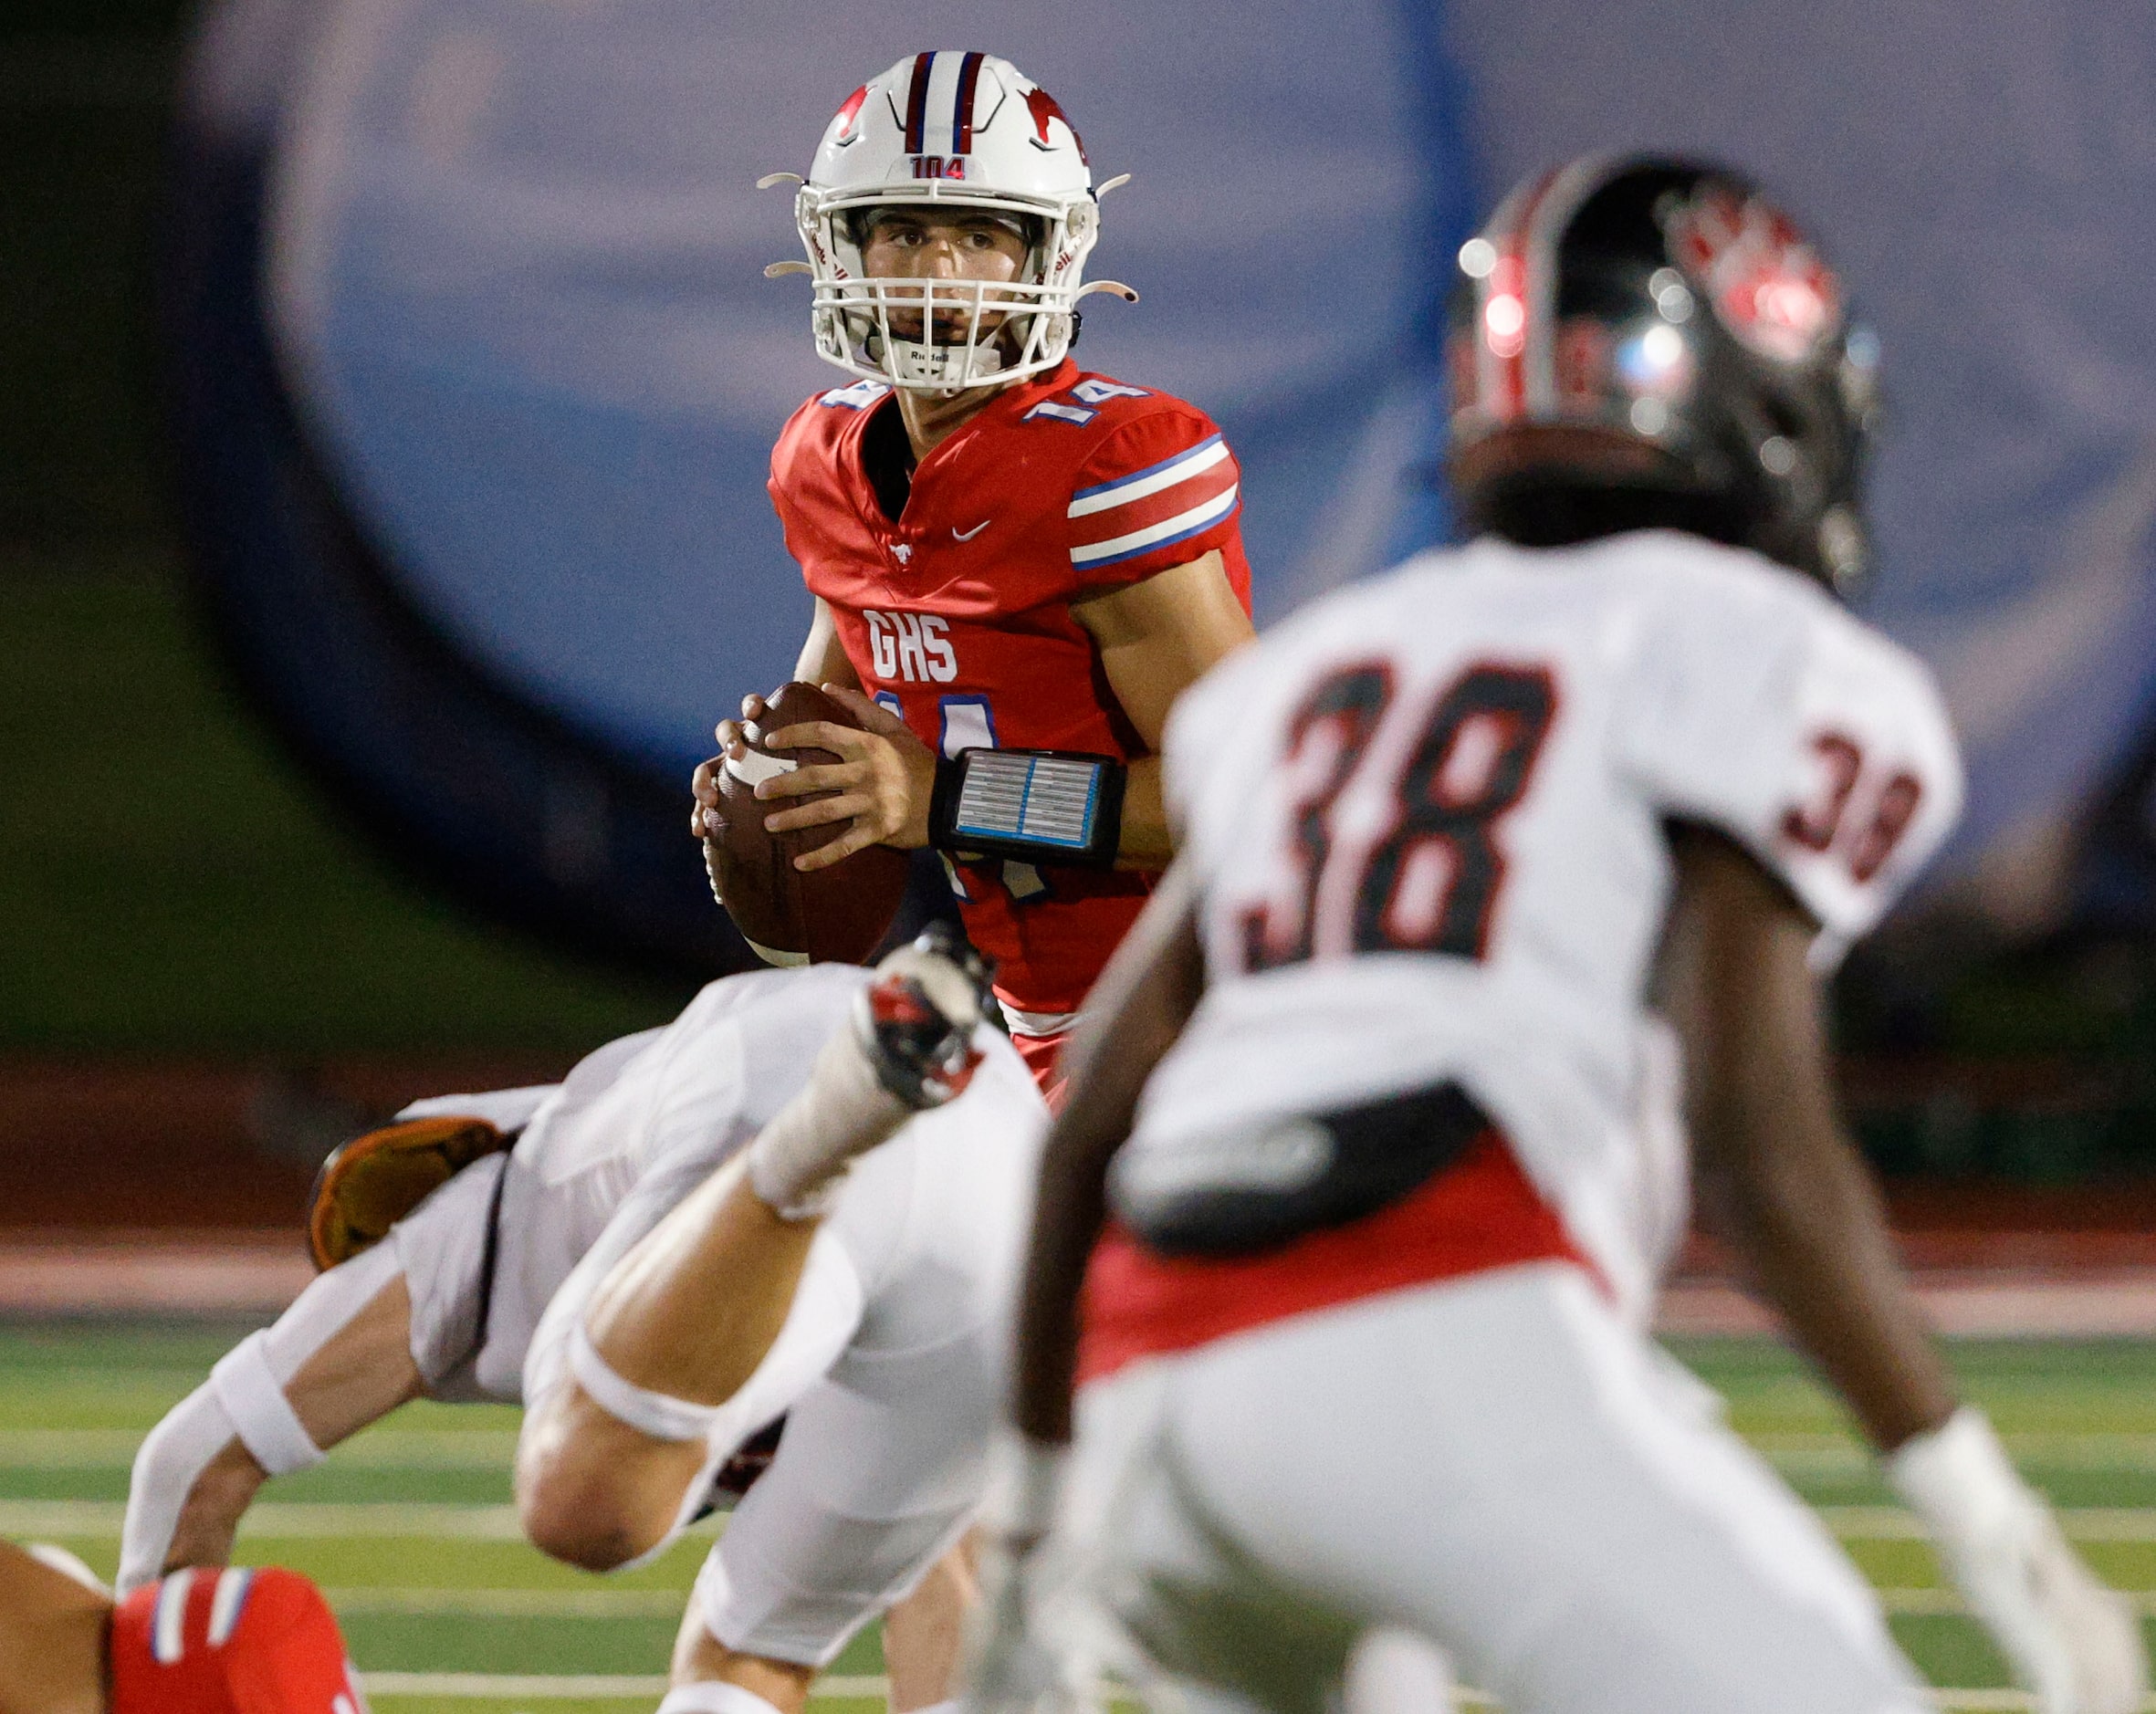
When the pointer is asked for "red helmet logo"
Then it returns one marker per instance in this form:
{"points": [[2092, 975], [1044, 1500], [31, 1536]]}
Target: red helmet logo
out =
{"points": [[849, 114], [1043, 106], [1768, 286]]}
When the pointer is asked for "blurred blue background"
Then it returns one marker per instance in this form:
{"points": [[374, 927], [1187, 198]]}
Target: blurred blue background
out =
{"points": [[510, 260]]}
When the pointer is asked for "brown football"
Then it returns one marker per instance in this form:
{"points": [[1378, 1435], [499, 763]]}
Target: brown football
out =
{"points": [[838, 914]]}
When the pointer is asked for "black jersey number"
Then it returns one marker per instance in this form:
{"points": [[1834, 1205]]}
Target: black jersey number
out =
{"points": [[1431, 882]]}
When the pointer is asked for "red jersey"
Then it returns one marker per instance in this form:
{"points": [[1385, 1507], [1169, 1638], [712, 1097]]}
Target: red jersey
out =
{"points": [[958, 616]]}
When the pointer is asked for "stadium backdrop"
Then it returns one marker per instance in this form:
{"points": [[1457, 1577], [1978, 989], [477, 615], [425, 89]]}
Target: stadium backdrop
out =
{"points": [[476, 370]]}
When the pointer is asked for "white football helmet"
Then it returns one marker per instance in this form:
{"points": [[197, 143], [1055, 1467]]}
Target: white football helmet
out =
{"points": [[948, 129]]}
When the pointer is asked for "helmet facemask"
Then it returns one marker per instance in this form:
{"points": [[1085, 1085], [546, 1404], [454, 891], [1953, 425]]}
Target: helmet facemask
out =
{"points": [[943, 336]]}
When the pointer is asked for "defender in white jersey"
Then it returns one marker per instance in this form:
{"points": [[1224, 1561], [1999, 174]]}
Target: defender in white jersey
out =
{"points": [[1355, 1127], [884, 1371]]}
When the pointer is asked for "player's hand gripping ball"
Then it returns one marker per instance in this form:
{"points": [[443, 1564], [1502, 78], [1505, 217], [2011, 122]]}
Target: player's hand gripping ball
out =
{"points": [[837, 914]]}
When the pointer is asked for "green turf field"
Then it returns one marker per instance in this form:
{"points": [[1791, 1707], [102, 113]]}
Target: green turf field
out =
{"points": [[448, 1613]]}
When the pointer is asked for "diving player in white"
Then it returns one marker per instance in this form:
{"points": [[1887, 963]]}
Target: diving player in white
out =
{"points": [[1352, 1121], [885, 1369]]}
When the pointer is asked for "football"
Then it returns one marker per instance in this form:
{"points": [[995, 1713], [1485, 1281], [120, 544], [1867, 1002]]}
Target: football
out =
{"points": [[838, 914]]}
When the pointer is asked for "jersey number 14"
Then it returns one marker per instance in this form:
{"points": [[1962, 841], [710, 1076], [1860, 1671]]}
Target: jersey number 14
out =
{"points": [[1430, 883]]}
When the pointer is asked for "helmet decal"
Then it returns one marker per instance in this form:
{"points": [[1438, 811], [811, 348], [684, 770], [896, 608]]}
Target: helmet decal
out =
{"points": [[1769, 287], [1516, 294], [849, 118], [1044, 106]]}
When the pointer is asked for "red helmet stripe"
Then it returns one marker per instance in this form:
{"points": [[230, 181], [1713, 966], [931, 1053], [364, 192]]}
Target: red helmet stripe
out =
{"points": [[1544, 226], [962, 119], [1502, 307], [916, 105], [1515, 301]]}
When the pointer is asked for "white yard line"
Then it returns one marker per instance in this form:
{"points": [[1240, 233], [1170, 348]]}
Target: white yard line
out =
{"points": [[666, 1604], [1833, 1454], [2006, 1702], [486, 1686], [301, 1520], [290, 1521], [384, 1449], [496, 1448], [508, 1603], [1935, 1602], [2081, 1523], [1976, 1701]]}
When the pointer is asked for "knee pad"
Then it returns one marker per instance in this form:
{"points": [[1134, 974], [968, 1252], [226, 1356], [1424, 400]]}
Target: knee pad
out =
{"points": [[231, 1642]]}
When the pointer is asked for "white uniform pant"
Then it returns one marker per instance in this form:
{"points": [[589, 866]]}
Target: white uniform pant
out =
{"points": [[1495, 1463], [889, 1370]]}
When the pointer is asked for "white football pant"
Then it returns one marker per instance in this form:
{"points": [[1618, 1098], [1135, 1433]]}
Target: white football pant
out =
{"points": [[1496, 1464]]}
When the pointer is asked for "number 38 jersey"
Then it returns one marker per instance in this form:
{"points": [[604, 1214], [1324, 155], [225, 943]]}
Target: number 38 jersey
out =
{"points": [[1426, 817], [956, 615]]}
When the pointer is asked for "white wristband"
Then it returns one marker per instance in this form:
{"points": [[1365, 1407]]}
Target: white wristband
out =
{"points": [[1025, 1485], [654, 1413], [1959, 1480], [261, 1414]]}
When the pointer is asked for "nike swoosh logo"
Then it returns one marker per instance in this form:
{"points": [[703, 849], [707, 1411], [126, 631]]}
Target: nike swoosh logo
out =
{"points": [[968, 535]]}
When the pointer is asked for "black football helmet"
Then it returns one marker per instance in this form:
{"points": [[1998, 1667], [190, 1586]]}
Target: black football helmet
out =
{"points": [[1638, 341]]}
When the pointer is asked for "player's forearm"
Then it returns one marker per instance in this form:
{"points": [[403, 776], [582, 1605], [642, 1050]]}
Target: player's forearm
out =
{"points": [[1778, 1175], [337, 1359], [1067, 1220], [1821, 1253], [1139, 1007], [1146, 841], [823, 659]]}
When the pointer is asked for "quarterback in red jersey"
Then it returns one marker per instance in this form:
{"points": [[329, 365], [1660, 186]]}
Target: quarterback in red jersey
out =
{"points": [[211, 1642], [1018, 565]]}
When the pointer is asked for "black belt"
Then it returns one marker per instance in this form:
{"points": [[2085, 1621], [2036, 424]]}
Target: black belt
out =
{"points": [[1359, 1159]]}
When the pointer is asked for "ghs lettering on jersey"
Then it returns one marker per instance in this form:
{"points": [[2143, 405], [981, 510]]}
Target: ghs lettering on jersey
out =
{"points": [[956, 615]]}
